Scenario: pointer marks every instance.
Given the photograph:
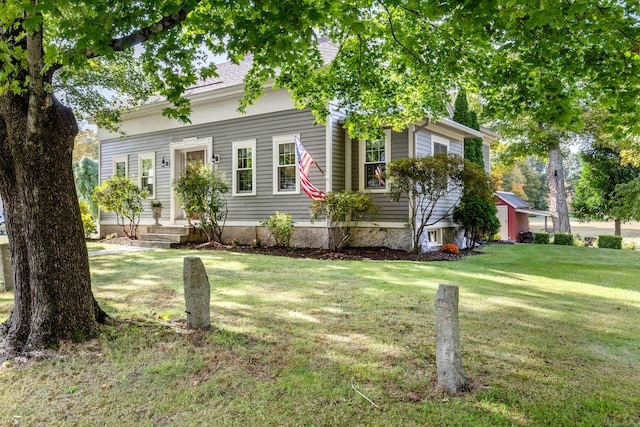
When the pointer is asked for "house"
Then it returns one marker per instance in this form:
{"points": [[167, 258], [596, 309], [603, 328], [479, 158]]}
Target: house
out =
{"points": [[255, 152], [513, 214]]}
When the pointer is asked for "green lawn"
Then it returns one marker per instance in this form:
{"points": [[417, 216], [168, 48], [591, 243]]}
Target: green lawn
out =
{"points": [[550, 336]]}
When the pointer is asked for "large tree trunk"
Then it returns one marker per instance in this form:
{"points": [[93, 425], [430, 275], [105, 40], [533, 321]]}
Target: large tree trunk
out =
{"points": [[557, 194], [52, 289]]}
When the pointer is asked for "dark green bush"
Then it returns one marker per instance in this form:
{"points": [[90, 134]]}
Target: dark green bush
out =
{"points": [[610, 242], [563, 239], [541, 238]]}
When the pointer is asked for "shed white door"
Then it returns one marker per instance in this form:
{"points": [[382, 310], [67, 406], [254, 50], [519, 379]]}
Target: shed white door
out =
{"points": [[503, 217]]}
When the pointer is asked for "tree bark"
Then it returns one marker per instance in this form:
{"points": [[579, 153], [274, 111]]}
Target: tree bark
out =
{"points": [[52, 290], [557, 193], [618, 227]]}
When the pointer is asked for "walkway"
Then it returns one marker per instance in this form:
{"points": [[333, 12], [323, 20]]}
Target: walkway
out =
{"points": [[119, 250]]}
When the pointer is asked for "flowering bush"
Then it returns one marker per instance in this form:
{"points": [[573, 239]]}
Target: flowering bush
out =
{"points": [[450, 248], [255, 244], [235, 242]]}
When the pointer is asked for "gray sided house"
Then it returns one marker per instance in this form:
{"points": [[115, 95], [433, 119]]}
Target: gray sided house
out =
{"points": [[252, 149]]}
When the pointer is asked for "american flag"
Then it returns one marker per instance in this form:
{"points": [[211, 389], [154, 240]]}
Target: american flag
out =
{"points": [[305, 161], [377, 173]]}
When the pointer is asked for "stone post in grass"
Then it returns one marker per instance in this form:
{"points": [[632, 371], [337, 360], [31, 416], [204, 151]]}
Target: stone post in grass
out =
{"points": [[7, 271], [448, 361], [197, 293]]}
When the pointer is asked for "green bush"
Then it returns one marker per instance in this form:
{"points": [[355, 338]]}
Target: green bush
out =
{"points": [[541, 238], [343, 209], [201, 190], [610, 242], [280, 227], [88, 222], [563, 239], [121, 195]]}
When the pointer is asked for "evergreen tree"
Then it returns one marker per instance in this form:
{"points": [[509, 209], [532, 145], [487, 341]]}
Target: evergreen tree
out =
{"points": [[473, 146], [464, 116], [461, 108]]}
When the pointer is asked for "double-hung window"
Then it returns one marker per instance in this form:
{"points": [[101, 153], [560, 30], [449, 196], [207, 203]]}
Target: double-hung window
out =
{"points": [[285, 165], [375, 155], [147, 168], [244, 168], [121, 166]]}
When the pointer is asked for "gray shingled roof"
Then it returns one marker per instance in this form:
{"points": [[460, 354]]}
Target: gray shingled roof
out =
{"points": [[512, 200], [230, 74]]}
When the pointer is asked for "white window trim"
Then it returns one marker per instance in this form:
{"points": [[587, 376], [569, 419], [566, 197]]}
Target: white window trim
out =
{"points": [[438, 234], [120, 159], [277, 140], [361, 157], [440, 140], [248, 143], [150, 155]]}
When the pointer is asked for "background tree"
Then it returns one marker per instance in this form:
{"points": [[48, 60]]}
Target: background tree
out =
{"points": [[525, 178], [85, 176], [85, 145], [595, 196]]}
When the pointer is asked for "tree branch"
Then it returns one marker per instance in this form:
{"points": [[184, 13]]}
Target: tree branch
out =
{"points": [[393, 34], [163, 25]]}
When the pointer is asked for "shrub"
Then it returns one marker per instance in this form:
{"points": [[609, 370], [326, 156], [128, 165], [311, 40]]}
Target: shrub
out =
{"points": [[541, 238], [280, 227], [610, 242], [477, 217], [201, 190], [496, 237], [119, 194], [88, 222], [255, 244], [235, 242], [629, 246], [450, 248], [563, 239], [343, 209]]}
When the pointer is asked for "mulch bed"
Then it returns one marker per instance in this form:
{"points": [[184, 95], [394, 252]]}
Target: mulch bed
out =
{"points": [[357, 254], [362, 254]]}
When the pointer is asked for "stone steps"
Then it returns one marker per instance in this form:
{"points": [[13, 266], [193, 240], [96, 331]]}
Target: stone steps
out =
{"points": [[164, 237], [167, 236]]}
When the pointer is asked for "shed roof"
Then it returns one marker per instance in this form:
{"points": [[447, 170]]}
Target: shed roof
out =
{"points": [[512, 200], [518, 204]]}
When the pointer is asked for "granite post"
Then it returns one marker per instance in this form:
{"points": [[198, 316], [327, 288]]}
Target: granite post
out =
{"points": [[7, 271], [448, 361], [197, 293]]}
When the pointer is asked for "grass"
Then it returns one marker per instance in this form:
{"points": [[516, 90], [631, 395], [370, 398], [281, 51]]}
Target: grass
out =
{"points": [[549, 335]]}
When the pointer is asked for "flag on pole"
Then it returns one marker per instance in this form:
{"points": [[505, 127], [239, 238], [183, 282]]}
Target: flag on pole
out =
{"points": [[305, 161], [377, 173]]}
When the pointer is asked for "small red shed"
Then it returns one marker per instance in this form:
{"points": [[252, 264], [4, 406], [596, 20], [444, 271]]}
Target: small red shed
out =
{"points": [[513, 214]]}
